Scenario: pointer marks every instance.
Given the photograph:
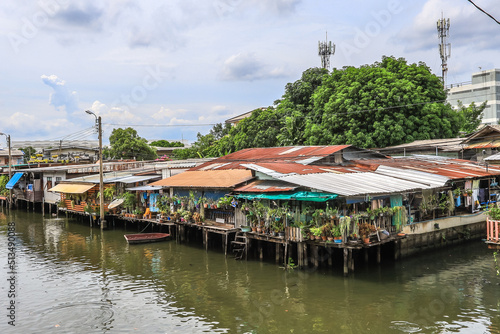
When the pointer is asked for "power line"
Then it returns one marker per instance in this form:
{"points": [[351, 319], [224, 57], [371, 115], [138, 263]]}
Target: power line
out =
{"points": [[494, 19], [306, 116], [161, 125]]}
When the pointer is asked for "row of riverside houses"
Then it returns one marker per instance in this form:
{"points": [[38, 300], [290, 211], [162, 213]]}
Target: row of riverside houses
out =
{"points": [[288, 202]]}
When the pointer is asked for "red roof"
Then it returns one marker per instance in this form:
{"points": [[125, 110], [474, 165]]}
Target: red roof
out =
{"points": [[452, 168], [271, 154], [288, 153], [286, 167]]}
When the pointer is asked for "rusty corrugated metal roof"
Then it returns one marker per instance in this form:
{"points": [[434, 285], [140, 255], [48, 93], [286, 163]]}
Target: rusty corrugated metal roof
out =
{"points": [[490, 143], [451, 168], [206, 179], [286, 167], [266, 186], [288, 153]]}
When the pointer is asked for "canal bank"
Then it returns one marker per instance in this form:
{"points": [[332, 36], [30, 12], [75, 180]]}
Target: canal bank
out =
{"points": [[293, 249]]}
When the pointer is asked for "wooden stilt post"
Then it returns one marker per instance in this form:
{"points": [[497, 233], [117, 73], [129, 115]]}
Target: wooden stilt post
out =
{"points": [[225, 245], [305, 259], [366, 254], [330, 257], [346, 267], [397, 249], [300, 254], [277, 253], [206, 240], [247, 248], [261, 253], [285, 257], [378, 254], [351, 261], [43, 206], [315, 256]]}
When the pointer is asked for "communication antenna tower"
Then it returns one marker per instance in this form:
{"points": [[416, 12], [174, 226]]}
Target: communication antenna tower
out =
{"points": [[443, 27], [325, 50]]}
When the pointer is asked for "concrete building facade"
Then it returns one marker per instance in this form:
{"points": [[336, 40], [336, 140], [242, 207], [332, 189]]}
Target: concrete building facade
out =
{"points": [[484, 86]]}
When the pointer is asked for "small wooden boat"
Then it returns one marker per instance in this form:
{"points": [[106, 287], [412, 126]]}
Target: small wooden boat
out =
{"points": [[146, 237]]}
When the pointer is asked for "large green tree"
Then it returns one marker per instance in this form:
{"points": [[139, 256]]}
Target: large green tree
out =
{"points": [[384, 104], [126, 144], [387, 103], [206, 145]]}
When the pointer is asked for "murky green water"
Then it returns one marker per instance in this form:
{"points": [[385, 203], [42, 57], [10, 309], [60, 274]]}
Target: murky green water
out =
{"points": [[72, 279]]}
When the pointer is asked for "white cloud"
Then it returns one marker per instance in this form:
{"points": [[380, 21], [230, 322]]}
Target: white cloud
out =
{"points": [[166, 113], [111, 114], [247, 67], [62, 96]]}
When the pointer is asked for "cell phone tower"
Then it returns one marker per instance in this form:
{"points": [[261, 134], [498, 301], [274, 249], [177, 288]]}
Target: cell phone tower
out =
{"points": [[325, 50], [443, 27]]}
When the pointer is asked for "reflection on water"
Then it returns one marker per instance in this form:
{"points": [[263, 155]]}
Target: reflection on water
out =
{"points": [[75, 279]]}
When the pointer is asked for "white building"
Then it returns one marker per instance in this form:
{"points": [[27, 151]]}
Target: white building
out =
{"points": [[485, 86]]}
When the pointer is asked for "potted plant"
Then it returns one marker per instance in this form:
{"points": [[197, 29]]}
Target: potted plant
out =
{"points": [[176, 216], [138, 213], [331, 213], [365, 230], [337, 234], [316, 231], [318, 216], [198, 218], [277, 227], [129, 200]]}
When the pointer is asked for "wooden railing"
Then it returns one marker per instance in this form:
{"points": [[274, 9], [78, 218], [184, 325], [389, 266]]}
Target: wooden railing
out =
{"points": [[293, 234], [492, 227]]}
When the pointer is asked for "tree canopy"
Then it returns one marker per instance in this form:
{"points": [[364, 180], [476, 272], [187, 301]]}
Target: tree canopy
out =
{"points": [[387, 103], [471, 116], [166, 143], [126, 144], [28, 152]]}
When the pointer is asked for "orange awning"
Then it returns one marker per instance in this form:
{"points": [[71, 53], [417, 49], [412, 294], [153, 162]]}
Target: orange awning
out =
{"points": [[206, 179], [72, 188]]}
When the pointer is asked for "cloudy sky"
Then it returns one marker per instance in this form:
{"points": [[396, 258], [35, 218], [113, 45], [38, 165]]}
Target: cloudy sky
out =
{"points": [[171, 68]]}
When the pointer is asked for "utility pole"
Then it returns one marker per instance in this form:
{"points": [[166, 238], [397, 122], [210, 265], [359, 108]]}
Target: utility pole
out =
{"points": [[10, 166], [101, 176], [10, 170], [325, 50], [443, 28]]}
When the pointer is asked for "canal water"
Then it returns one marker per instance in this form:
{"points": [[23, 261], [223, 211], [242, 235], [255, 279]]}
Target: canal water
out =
{"points": [[71, 278]]}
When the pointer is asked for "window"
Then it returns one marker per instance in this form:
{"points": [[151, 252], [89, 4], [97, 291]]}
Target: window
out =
{"points": [[49, 182]]}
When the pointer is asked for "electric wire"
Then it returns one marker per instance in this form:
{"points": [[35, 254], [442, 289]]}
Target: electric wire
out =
{"points": [[296, 117], [482, 10]]}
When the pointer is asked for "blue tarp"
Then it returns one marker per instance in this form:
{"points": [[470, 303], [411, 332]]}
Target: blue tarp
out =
{"points": [[299, 196], [12, 182]]}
